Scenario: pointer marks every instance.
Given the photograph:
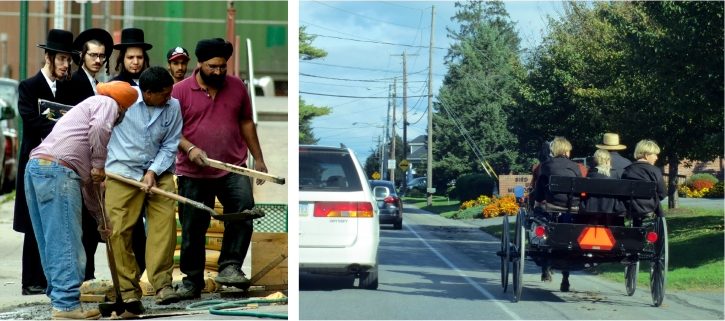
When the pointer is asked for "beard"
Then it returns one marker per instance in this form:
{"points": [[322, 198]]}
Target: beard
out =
{"points": [[130, 75], [214, 81]]}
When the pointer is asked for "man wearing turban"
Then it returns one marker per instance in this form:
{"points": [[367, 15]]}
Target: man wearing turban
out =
{"points": [[62, 174], [217, 122]]}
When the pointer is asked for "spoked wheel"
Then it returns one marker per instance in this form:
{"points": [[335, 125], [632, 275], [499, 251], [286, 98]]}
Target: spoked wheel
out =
{"points": [[520, 255], [630, 277], [505, 254], [658, 270]]}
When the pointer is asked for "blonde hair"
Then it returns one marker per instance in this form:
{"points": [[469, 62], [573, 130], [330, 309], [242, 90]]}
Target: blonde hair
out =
{"points": [[604, 161], [644, 148], [560, 146]]}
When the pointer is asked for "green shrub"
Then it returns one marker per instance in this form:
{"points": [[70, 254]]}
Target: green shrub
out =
{"points": [[701, 177], [472, 212], [470, 186]]}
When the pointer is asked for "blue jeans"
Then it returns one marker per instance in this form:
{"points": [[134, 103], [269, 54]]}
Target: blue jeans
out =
{"points": [[53, 193], [235, 193]]}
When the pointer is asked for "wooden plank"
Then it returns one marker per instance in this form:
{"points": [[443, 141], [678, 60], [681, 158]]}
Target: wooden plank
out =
{"points": [[266, 248]]}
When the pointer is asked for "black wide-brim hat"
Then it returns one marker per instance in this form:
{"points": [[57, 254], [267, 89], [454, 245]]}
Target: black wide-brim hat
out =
{"points": [[132, 37], [59, 41], [98, 34]]}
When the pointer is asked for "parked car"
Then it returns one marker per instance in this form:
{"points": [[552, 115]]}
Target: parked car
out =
{"points": [[8, 126], [418, 185], [339, 227], [389, 204]]}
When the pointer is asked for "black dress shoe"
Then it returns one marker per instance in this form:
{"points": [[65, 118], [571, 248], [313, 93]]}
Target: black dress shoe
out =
{"points": [[33, 290]]}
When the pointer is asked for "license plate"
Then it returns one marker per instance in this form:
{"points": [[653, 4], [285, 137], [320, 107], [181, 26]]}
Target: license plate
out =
{"points": [[306, 209]]}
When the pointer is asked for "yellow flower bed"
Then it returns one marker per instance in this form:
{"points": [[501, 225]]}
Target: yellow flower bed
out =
{"points": [[501, 206]]}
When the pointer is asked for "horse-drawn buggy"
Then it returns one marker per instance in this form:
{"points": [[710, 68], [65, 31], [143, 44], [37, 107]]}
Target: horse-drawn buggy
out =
{"points": [[571, 238]]}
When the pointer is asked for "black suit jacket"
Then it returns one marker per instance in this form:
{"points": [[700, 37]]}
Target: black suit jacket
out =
{"points": [[76, 90], [124, 77], [35, 128]]}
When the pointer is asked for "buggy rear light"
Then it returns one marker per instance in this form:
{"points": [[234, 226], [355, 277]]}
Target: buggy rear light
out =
{"points": [[391, 199], [8, 147], [343, 209], [652, 237], [583, 195], [540, 231]]}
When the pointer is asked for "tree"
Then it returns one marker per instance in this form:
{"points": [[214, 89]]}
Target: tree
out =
{"points": [[308, 112], [372, 163], [645, 70], [470, 124]]}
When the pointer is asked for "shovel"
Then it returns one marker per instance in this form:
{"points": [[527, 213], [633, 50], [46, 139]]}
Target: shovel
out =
{"points": [[244, 215], [245, 171], [107, 308]]}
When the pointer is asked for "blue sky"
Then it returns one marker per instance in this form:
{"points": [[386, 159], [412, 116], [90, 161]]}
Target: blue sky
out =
{"points": [[365, 42]]}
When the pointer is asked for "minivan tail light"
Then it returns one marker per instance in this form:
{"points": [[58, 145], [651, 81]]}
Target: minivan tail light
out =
{"points": [[343, 209], [391, 199]]}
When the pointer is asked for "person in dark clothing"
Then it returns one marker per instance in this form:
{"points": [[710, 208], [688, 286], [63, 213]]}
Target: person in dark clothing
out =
{"points": [[601, 204], [95, 46], [559, 165], [133, 59], [610, 142], [643, 169], [58, 59]]}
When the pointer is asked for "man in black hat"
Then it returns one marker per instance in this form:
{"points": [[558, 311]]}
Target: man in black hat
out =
{"points": [[58, 59], [95, 46], [133, 58], [178, 59], [234, 135]]}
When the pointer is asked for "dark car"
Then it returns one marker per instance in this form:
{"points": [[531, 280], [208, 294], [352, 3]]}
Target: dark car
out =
{"points": [[390, 205], [9, 139]]}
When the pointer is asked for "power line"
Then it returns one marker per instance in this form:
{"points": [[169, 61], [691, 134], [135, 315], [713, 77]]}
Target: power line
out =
{"points": [[347, 79], [348, 67], [363, 16], [375, 41], [345, 96]]}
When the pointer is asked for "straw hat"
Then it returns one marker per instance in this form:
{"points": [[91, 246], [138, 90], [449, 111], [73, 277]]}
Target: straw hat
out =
{"points": [[611, 142]]}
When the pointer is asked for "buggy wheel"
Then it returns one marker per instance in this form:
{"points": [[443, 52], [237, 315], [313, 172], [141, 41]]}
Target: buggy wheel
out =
{"points": [[630, 277], [658, 270], [505, 254], [518, 260]]}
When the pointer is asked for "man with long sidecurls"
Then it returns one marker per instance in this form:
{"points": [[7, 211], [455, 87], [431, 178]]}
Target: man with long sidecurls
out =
{"points": [[58, 51]]}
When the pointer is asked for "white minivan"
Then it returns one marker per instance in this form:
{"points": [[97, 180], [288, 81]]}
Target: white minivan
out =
{"points": [[339, 228]]}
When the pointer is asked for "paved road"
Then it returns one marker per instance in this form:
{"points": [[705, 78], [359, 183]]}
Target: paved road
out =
{"points": [[444, 269]]}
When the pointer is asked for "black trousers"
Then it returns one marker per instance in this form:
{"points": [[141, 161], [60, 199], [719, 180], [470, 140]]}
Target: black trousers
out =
{"points": [[235, 193], [32, 268]]}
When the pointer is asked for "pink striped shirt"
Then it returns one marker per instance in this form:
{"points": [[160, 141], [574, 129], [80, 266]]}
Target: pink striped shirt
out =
{"points": [[80, 138]]}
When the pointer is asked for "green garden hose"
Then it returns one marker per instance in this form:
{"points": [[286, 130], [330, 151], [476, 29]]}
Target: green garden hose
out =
{"points": [[223, 307]]}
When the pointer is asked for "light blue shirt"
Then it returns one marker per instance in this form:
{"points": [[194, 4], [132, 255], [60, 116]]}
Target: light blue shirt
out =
{"points": [[146, 139]]}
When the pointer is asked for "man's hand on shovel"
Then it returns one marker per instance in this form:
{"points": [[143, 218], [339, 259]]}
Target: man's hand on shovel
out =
{"points": [[198, 156], [104, 227], [149, 180], [260, 167]]}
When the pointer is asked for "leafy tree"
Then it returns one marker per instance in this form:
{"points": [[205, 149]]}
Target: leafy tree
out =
{"points": [[372, 163], [471, 119], [308, 112]]}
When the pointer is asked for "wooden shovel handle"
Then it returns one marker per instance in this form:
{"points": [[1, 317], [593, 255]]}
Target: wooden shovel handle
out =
{"points": [[245, 171]]}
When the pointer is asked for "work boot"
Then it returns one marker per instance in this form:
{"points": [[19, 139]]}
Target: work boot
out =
{"points": [[134, 308], [186, 291], [232, 275], [167, 295], [77, 314]]}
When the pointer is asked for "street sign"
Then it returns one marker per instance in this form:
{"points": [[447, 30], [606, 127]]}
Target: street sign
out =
{"points": [[391, 164], [404, 165], [376, 175]]}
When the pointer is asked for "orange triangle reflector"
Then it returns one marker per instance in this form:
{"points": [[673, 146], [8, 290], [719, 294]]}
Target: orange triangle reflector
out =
{"points": [[596, 238]]}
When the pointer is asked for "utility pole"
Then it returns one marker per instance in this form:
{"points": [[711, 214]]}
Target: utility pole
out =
{"points": [[392, 141], [381, 146], [405, 120], [387, 133], [429, 172]]}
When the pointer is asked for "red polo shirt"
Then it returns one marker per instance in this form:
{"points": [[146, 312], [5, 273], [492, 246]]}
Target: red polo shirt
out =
{"points": [[212, 124]]}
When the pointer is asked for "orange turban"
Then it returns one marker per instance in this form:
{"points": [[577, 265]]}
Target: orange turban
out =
{"points": [[120, 91]]}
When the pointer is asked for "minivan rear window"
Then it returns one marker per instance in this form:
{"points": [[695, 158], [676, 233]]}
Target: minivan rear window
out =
{"points": [[328, 170]]}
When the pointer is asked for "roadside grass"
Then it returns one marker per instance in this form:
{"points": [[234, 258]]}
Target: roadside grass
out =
{"points": [[696, 251], [8, 197], [441, 204]]}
